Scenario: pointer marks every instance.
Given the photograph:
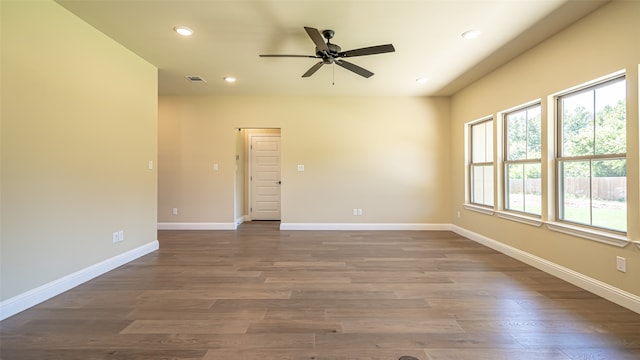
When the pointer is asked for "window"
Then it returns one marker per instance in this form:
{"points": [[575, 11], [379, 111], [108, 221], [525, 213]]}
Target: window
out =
{"points": [[522, 165], [481, 165], [591, 162]]}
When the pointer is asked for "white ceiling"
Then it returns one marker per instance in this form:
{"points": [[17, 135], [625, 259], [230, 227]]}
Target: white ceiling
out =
{"points": [[230, 34]]}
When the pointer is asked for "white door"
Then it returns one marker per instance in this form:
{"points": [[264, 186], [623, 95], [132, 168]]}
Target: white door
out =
{"points": [[265, 177]]}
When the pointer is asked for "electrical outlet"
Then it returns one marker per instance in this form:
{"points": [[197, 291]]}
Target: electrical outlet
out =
{"points": [[115, 237], [175, 211], [121, 235], [621, 264], [355, 212], [458, 214], [359, 212]]}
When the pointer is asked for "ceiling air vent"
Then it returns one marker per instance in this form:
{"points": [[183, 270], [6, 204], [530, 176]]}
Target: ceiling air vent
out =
{"points": [[197, 79]]}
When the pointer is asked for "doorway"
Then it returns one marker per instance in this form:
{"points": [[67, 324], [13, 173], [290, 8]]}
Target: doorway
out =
{"points": [[258, 175]]}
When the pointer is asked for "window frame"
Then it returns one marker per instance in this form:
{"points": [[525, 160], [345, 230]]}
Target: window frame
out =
{"points": [[506, 162], [471, 164], [560, 158]]}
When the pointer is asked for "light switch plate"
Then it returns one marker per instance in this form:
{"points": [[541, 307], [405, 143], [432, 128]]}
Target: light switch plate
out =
{"points": [[300, 167]]}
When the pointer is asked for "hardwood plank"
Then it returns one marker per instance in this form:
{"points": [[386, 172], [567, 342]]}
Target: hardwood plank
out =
{"points": [[219, 292], [527, 326], [107, 353], [497, 354], [373, 341], [186, 326], [296, 354], [197, 314], [294, 326], [296, 314], [399, 314], [602, 354], [314, 303], [343, 294], [404, 326]]}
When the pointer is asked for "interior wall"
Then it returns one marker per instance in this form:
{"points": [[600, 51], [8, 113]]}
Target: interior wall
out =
{"points": [[241, 171], [79, 120], [383, 155], [600, 44]]}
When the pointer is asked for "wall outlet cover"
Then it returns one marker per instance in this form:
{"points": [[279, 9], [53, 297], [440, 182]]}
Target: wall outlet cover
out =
{"points": [[621, 264]]}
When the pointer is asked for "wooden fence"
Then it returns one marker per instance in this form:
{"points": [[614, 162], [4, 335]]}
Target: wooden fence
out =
{"points": [[603, 188]]}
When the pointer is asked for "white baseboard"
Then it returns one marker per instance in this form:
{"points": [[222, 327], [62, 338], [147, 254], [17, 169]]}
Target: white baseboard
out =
{"points": [[611, 293], [363, 226], [45, 292], [197, 226], [242, 219]]}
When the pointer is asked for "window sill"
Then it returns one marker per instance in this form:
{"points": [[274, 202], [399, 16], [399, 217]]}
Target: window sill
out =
{"points": [[620, 241], [479, 209], [520, 218], [595, 235]]}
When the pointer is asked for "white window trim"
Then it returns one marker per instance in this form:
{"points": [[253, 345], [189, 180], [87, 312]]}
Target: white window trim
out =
{"points": [[529, 220], [479, 209], [590, 234]]}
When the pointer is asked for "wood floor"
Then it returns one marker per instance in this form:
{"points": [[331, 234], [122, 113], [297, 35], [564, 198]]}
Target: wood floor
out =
{"points": [[261, 294]]}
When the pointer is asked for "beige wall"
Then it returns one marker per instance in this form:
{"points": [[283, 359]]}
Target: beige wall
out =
{"points": [[79, 120], [240, 190], [384, 155], [604, 42]]}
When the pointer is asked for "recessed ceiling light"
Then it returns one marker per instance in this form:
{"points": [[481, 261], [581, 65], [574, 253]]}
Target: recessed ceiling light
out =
{"points": [[229, 79], [183, 30], [422, 80], [471, 34]]}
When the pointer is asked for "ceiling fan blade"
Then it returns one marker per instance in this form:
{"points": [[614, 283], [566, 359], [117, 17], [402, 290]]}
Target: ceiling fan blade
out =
{"points": [[371, 50], [355, 68], [291, 56], [313, 69], [317, 39]]}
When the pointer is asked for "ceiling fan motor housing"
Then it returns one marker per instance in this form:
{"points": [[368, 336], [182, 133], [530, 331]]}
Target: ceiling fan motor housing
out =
{"points": [[334, 51]]}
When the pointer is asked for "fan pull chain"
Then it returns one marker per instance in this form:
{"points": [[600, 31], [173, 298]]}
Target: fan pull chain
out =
{"points": [[333, 76]]}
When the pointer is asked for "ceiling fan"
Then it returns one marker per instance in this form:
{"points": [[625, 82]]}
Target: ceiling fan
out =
{"points": [[332, 54]]}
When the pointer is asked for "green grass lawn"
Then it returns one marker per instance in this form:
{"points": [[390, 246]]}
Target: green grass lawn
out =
{"points": [[606, 214], [610, 218]]}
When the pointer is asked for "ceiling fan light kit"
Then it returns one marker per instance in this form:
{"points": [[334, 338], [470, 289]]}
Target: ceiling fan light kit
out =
{"points": [[329, 53]]}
